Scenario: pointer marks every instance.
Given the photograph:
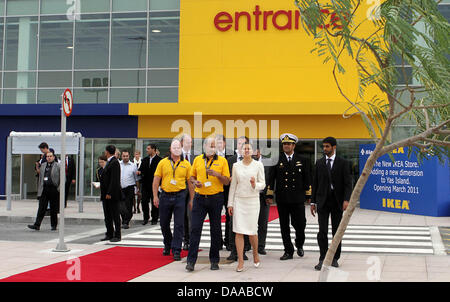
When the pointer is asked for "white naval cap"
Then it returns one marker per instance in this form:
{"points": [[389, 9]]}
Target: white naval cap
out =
{"points": [[288, 138]]}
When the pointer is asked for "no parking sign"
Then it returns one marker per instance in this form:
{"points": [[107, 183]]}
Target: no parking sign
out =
{"points": [[67, 102]]}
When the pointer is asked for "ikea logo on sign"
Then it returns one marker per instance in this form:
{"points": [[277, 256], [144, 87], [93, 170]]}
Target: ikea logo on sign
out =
{"points": [[396, 204], [399, 150]]}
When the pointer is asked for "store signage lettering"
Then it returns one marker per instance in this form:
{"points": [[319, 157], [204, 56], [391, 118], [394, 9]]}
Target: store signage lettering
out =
{"points": [[261, 20]]}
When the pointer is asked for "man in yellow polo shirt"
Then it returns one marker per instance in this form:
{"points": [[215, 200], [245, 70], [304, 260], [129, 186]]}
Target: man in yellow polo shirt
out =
{"points": [[209, 173], [172, 174]]}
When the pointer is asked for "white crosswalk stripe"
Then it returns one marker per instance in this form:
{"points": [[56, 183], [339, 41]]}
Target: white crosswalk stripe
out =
{"points": [[357, 238]]}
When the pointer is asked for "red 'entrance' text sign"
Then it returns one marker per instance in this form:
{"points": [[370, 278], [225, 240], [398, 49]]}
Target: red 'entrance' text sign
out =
{"points": [[281, 20]]}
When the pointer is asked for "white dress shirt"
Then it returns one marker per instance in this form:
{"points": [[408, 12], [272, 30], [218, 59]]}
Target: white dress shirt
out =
{"points": [[289, 156], [128, 175], [332, 159], [186, 154]]}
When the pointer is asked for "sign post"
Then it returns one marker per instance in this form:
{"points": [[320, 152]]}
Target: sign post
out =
{"points": [[66, 110]]}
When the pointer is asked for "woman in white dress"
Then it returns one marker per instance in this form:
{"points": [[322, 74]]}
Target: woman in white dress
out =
{"points": [[243, 202]]}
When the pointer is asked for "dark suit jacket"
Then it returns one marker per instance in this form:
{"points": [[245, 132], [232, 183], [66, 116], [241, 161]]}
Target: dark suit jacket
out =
{"points": [[70, 169], [110, 181], [340, 178], [148, 172], [290, 182], [231, 159]]}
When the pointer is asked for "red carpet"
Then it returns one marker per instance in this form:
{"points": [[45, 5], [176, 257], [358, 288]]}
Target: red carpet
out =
{"points": [[117, 264], [273, 214]]}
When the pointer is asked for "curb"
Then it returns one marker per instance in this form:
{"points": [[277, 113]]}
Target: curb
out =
{"points": [[67, 220]]}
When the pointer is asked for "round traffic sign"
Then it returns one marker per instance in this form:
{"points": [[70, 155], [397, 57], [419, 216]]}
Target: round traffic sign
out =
{"points": [[67, 102]]}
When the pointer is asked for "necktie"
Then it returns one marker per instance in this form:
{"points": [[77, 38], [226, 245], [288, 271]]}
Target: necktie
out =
{"points": [[329, 164], [329, 170], [187, 157], [289, 159]]}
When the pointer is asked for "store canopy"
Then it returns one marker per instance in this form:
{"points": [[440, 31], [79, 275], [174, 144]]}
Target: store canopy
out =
{"points": [[28, 142]]}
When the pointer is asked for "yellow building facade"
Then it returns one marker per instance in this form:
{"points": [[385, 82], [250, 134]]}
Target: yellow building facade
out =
{"points": [[251, 61]]}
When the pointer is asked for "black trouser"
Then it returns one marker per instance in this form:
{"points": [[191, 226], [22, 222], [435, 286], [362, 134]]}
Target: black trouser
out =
{"points": [[172, 204], [147, 199], [226, 239], [112, 217], [262, 221], [330, 207], [126, 208], [187, 218], [49, 195], [66, 192], [210, 205], [293, 213]]}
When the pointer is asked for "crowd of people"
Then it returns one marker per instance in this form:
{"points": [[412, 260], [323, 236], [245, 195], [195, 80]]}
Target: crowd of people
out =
{"points": [[191, 187]]}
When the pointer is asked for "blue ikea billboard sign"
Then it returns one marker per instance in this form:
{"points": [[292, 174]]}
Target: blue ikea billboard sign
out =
{"points": [[405, 185]]}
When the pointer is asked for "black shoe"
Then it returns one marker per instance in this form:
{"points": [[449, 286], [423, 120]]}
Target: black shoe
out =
{"points": [[214, 266], [115, 239], [176, 256], [335, 263], [300, 252], [53, 228], [33, 227], [125, 226], [154, 222], [262, 251], [245, 257], [232, 257], [144, 222], [286, 256], [106, 238], [190, 266], [318, 267], [186, 246], [228, 247], [166, 251]]}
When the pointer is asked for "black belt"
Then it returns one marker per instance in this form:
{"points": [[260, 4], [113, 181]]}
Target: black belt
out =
{"points": [[207, 196], [173, 193]]}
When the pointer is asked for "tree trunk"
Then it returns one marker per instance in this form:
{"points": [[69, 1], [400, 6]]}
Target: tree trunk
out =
{"points": [[337, 238]]}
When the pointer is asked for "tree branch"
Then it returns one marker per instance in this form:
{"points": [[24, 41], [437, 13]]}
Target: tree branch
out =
{"points": [[414, 139]]}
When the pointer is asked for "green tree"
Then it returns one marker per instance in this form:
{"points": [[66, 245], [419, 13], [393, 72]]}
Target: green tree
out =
{"points": [[411, 34]]}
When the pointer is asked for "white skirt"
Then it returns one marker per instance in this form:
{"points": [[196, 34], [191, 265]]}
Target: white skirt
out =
{"points": [[245, 215]]}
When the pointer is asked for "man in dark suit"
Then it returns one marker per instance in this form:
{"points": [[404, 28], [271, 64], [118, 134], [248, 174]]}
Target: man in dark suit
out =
{"points": [[264, 209], [188, 154], [70, 176], [147, 171], [291, 180], [111, 195], [221, 151], [332, 187]]}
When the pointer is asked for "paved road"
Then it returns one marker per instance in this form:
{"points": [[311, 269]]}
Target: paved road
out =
{"points": [[74, 233]]}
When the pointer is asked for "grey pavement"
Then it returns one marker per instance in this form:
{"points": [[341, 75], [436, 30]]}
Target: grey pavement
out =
{"points": [[21, 256]]}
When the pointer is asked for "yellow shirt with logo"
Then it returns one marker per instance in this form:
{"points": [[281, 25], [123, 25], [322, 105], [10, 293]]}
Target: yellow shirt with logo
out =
{"points": [[166, 172], [198, 170]]}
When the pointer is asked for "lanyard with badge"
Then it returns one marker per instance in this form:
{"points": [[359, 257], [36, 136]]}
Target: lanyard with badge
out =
{"points": [[208, 183], [174, 168]]}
